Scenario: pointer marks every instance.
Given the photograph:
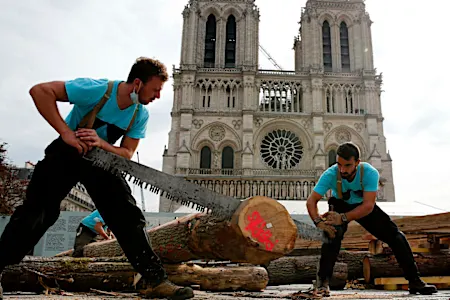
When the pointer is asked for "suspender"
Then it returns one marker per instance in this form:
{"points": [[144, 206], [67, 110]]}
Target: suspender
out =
{"points": [[89, 119], [339, 181]]}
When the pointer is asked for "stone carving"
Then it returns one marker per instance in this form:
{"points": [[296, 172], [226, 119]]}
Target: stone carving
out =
{"points": [[258, 122], [197, 123], [327, 126], [216, 159], [306, 123], [343, 136], [237, 124], [217, 133], [359, 126]]}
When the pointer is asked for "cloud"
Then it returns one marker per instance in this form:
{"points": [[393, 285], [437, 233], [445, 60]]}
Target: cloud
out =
{"points": [[59, 40]]}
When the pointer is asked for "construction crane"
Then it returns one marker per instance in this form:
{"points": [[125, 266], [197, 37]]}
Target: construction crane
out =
{"points": [[267, 55]]}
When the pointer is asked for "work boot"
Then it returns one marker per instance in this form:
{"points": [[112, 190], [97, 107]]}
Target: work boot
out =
{"points": [[419, 286], [168, 290], [322, 287]]}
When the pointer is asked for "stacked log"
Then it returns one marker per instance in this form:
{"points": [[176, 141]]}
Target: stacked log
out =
{"points": [[417, 229], [34, 274], [429, 264], [302, 270]]}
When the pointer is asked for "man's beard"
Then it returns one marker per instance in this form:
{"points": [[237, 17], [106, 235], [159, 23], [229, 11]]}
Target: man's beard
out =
{"points": [[348, 175]]}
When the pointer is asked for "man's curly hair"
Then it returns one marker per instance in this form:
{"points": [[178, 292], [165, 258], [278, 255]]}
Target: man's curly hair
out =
{"points": [[145, 68]]}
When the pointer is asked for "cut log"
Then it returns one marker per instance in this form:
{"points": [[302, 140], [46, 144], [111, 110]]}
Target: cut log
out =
{"points": [[117, 274], [260, 231], [429, 264], [302, 270]]}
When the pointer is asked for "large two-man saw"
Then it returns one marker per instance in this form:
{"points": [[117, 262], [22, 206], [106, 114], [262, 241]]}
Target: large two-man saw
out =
{"points": [[182, 191]]}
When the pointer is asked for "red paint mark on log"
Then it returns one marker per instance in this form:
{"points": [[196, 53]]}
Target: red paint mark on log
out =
{"points": [[257, 227]]}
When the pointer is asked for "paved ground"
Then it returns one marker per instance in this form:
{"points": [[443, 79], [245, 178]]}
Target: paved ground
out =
{"points": [[278, 292]]}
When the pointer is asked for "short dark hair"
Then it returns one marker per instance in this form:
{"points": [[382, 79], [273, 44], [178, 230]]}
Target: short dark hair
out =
{"points": [[348, 150], [145, 68]]}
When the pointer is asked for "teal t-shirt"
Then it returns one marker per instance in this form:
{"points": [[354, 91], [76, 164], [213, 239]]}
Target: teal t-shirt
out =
{"points": [[328, 181], [92, 219], [85, 93]]}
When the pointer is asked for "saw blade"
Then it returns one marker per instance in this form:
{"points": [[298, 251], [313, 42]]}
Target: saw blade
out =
{"points": [[172, 187], [182, 191], [311, 233]]}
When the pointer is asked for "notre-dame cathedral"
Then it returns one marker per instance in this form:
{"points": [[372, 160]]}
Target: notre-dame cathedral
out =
{"points": [[243, 131]]}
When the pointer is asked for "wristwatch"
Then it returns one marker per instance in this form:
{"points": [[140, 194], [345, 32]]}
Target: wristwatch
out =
{"points": [[317, 220], [344, 218]]}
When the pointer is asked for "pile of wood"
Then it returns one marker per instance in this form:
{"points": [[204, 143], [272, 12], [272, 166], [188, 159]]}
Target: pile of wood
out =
{"points": [[370, 258], [260, 231], [417, 230], [253, 249]]}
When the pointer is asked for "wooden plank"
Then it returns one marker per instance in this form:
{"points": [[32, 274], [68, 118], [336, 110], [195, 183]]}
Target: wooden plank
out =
{"points": [[401, 280]]}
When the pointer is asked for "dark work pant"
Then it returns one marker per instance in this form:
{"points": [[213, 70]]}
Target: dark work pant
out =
{"points": [[84, 236], [53, 178], [379, 224]]}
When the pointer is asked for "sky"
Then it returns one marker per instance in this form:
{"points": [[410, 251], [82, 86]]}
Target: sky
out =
{"points": [[45, 40]]}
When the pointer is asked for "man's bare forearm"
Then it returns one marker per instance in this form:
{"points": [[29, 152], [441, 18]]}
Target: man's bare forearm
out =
{"points": [[45, 101], [313, 209], [117, 150], [359, 212]]}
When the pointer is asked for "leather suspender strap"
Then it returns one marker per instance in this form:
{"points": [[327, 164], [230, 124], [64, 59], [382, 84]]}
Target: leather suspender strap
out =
{"points": [[361, 177], [339, 184], [89, 119], [339, 181], [134, 117]]}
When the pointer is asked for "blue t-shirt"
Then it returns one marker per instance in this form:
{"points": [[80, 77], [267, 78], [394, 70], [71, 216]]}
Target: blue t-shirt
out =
{"points": [[328, 181], [85, 93], [92, 219]]}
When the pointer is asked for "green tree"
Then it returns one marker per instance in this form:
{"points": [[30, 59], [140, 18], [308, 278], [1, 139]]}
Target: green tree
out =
{"points": [[12, 189]]}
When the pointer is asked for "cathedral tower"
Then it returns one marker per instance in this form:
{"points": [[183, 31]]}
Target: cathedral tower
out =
{"points": [[242, 131]]}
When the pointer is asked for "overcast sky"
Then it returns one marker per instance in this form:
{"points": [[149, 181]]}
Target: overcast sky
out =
{"points": [[43, 40]]}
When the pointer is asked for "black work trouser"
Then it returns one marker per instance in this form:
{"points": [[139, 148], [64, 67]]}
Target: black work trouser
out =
{"points": [[53, 178], [84, 236], [380, 225]]}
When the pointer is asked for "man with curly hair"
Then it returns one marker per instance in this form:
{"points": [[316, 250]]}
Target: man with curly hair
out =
{"points": [[103, 112]]}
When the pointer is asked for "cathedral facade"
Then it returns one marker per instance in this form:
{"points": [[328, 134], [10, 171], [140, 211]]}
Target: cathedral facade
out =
{"points": [[243, 131]]}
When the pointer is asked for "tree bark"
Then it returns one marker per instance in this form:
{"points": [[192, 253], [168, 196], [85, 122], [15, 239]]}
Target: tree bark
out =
{"points": [[260, 231], [429, 264], [117, 274], [302, 270]]}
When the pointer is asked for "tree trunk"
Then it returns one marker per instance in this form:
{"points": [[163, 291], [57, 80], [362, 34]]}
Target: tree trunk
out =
{"points": [[429, 264], [302, 270], [260, 231], [117, 274]]}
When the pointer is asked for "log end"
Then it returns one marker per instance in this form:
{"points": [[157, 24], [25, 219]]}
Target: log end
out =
{"points": [[268, 228]]}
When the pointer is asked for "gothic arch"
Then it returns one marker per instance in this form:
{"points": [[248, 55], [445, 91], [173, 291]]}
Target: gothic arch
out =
{"points": [[288, 124], [200, 136], [343, 17], [231, 9], [327, 17], [229, 143], [210, 9], [355, 138], [203, 143]]}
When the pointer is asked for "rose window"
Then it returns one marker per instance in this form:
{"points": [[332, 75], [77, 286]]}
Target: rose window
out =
{"points": [[281, 149]]}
